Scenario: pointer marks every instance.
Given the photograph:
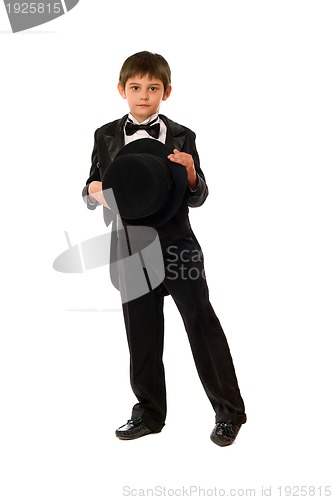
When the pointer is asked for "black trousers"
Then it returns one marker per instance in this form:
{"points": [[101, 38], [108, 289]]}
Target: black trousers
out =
{"points": [[144, 321]]}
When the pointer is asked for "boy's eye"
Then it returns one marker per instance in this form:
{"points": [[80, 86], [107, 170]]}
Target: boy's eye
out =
{"points": [[136, 88]]}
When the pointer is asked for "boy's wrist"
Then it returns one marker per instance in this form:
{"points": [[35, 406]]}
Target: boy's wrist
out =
{"points": [[90, 199], [192, 181]]}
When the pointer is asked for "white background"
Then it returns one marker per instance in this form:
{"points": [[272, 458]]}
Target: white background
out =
{"points": [[254, 80]]}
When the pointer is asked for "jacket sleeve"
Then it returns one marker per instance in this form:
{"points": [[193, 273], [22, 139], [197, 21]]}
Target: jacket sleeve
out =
{"points": [[94, 175], [197, 198]]}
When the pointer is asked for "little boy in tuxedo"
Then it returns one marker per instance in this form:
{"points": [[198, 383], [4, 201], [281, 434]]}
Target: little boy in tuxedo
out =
{"points": [[145, 81]]}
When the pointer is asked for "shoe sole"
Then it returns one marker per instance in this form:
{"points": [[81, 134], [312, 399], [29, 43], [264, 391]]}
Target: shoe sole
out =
{"points": [[131, 437], [219, 443]]}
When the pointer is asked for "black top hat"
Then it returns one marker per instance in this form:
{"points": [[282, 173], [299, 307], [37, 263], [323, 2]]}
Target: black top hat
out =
{"points": [[147, 186]]}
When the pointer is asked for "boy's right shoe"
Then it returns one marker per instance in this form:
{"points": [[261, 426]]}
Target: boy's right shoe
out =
{"points": [[224, 433], [133, 429]]}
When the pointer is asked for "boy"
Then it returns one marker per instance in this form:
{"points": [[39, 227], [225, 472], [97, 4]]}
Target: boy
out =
{"points": [[145, 81]]}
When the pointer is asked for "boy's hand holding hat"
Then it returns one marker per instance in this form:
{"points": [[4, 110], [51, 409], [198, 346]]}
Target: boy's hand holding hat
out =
{"points": [[186, 160]]}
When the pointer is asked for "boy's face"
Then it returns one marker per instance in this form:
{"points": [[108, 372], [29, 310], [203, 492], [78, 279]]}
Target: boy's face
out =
{"points": [[144, 96]]}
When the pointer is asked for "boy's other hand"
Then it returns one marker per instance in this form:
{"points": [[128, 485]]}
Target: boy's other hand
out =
{"points": [[95, 191], [186, 160]]}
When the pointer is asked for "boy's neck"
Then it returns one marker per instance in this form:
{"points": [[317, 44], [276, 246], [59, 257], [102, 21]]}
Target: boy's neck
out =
{"points": [[146, 120]]}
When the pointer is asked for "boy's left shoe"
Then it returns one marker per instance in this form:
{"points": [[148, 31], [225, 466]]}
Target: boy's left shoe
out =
{"points": [[225, 433], [133, 429]]}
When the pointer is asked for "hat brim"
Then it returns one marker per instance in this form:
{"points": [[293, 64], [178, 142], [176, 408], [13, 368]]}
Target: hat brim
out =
{"points": [[178, 175]]}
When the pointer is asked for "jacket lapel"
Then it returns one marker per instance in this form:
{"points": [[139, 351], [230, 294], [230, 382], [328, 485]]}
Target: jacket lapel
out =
{"points": [[114, 137], [175, 134]]}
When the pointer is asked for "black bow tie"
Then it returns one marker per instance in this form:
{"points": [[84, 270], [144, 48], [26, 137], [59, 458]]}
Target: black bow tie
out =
{"points": [[153, 130]]}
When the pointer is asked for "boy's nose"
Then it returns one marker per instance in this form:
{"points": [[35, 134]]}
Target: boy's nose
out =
{"points": [[144, 96]]}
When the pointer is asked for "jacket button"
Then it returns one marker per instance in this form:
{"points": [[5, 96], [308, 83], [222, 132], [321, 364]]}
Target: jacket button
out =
{"points": [[98, 165]]}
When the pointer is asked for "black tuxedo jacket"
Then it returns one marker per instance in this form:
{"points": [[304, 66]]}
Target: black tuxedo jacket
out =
{"points": [[108, 141]]}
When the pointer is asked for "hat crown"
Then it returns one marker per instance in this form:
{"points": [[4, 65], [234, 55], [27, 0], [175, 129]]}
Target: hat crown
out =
{"points": [[141, 183], [148, 187]]}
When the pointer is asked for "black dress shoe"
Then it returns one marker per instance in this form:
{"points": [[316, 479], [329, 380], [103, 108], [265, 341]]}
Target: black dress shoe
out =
{"points": [[133, 429], [224, 433]]}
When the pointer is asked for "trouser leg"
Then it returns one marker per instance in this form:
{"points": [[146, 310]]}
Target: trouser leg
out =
{"points": [[144, 322], [185, 281]]}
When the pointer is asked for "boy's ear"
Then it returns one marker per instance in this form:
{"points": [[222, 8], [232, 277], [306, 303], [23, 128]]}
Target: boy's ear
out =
{"points": [[167, 93], [121, 91]]}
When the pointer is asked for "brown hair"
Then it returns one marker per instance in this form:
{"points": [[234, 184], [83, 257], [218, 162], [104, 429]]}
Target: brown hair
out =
{"points": [[146, 63]]}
